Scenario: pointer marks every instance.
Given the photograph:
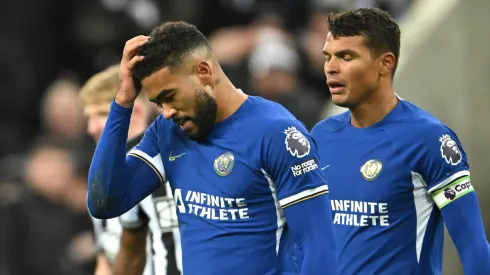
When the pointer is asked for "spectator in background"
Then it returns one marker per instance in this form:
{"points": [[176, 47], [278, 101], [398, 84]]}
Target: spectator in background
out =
{"points": [[274, 65], [263, 59], [61, 112], [62, 119], [48, 228], [311, 40]]}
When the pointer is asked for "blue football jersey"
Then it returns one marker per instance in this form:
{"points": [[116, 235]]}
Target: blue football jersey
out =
{"points": [[387, 184], [230, 190]]}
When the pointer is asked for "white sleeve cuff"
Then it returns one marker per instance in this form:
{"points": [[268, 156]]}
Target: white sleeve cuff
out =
{"points": [[155, 163], [304, 195]]}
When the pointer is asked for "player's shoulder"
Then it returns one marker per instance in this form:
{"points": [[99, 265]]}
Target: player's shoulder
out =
{"points": [[331, 124], [420, 123], [270, 108], [415, 129], [280, 131], [273, 116]]}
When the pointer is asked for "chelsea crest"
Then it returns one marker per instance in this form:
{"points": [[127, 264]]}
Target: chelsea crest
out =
{"points": [[371, 169], [224, 164]]}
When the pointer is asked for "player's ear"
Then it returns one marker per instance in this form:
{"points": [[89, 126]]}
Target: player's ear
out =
{"points": [[204, 72], [387, 63]]}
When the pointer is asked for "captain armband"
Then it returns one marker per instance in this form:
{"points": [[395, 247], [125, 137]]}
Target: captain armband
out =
{"points": [[452, 191]]}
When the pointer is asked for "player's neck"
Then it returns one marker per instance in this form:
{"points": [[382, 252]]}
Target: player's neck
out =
{"points": [[374, 109], [228, 98]]}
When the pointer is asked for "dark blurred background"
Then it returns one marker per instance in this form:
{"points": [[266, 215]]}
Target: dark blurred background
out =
{"points": [[270, 48]]}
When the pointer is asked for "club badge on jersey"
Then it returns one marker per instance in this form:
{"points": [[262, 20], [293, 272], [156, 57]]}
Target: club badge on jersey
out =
{"points": [[371, 169], [224, 164]]}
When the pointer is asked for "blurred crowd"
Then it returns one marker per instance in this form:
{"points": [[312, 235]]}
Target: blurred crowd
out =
{"points": [[270, 48]]}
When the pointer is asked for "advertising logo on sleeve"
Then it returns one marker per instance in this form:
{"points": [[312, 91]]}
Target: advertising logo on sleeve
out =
{"points": [[449, 150], [453, 191], [296, 143], [449, 193], [304, 167]]}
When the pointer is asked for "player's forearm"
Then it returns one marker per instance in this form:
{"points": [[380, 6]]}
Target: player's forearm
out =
{"points": [[464, 223], [130, 262], [311, 223], [108, 184], [131, 258], [102, 266]]}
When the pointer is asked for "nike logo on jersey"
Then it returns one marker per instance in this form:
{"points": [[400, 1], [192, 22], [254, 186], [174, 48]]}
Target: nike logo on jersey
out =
{"points": [[172, 158], [323, 168]]}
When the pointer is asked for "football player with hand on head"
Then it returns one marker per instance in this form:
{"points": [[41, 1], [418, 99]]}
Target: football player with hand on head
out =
{"points": [[396, 173], [244, 195], [122, 241]]}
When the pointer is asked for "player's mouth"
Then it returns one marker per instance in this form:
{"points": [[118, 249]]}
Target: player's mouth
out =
{"points": [[184, 125], [335, 86]]}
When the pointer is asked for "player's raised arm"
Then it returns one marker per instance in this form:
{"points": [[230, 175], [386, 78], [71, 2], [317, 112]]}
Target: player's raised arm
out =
{"points": [[445, 169], [116, 184], [292, 165]]}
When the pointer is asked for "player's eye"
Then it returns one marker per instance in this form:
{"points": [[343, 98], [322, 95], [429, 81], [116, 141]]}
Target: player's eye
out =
{"points": [[159, 105], [347, 57], [168, 98]]}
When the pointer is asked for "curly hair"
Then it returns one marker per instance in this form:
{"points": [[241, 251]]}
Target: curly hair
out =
{"points": [[168, 46], [380, 31]]}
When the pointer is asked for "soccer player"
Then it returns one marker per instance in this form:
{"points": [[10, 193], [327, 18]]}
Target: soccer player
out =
{"points": [[122, 241], [243, 170], [396, 173]]}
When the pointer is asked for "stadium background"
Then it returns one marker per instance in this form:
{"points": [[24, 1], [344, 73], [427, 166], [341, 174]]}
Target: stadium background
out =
{"points": [[269, 48]]}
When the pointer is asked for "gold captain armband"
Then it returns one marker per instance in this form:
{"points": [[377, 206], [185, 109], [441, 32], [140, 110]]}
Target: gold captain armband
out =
{"points": [[452, 191]]}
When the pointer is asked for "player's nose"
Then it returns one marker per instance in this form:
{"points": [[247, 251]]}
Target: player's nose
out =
{"points": [[168, 112], [331, 67]]}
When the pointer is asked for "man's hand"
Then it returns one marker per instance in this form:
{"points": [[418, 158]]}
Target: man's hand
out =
{"points": [[127, 91]]}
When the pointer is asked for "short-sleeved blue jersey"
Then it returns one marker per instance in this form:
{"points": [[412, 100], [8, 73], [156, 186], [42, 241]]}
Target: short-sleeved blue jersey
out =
{"points": [[387, 184], [230, 190]]}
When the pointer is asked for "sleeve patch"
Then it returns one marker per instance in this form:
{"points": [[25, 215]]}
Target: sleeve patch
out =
{"points": [[453, 191], [449, 150], [296, 143], [304, 167]]}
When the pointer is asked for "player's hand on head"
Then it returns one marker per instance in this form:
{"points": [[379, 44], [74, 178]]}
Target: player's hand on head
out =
{"points": [[128, 87]]}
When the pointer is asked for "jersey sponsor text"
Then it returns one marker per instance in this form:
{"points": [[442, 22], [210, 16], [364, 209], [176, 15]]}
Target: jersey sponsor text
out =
{"points": [[210, 206], [360, 213]]}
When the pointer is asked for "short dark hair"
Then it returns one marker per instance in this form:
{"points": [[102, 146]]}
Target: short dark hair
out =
{"points": [[168, 46], [379, 29]]}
